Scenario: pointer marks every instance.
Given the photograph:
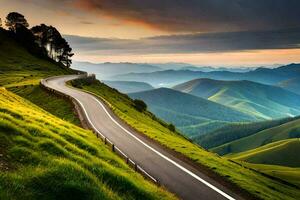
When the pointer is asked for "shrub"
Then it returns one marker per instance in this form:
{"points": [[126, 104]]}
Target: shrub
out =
{"points": [[171, 127], [140, 105]]}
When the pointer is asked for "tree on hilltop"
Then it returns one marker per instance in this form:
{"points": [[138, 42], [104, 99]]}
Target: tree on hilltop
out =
{"points": [[57, 47], [14, 20]]}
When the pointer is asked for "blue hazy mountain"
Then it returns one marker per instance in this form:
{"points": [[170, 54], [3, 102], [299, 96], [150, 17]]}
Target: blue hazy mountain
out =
{"points": [[129, 86], [172, 77], [105, 70]]}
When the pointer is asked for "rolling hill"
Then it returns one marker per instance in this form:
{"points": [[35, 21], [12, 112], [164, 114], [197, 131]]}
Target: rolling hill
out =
{"points": [[282, 153], [129, 86], [173, 77], [288, 174], [259, 100], [235, 131], [192, 115], [285, 131]]}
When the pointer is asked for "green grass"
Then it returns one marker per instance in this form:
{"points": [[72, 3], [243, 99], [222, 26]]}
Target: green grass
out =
{"points": [[44, 157], [281, 132], [262, 101], [255, 183], [235, 131], [192, 115], [284, 153], [49, 102], [18, 67], [289, 174]]}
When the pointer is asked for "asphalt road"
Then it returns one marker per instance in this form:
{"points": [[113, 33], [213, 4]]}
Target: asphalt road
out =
{"points": [[177, 176]]}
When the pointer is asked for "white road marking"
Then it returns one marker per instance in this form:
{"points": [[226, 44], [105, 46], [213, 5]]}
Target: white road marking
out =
{"points": [[152, 149]]}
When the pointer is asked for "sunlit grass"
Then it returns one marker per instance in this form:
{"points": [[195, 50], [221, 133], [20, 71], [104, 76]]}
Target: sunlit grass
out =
{"points": [[48, 158]]}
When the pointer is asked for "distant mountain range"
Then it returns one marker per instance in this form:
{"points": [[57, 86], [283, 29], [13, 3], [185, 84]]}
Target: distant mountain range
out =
{"points": [[259, 100], [173, 77], [129, 86], [192, 115], [105, 70]]}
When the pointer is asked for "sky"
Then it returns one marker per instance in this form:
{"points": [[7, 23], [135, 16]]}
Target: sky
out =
{"points": [[202, 32]]}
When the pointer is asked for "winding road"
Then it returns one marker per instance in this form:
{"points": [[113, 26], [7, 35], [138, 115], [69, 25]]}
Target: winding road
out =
{"points": [[177, 176]]}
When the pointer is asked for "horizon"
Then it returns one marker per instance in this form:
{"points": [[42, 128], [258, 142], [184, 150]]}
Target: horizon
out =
{"points": [[274, 65], [220, 34]]}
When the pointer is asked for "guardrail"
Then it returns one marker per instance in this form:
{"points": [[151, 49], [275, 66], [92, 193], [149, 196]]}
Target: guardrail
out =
{"points": [[99, 135]]}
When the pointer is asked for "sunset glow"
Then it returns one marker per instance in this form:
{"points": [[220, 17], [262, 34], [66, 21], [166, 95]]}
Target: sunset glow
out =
{"points": [[113, 21]]}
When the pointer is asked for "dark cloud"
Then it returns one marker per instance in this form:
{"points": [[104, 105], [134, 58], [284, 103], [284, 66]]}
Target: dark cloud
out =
{"points": [[190, 43], [199, 15]]}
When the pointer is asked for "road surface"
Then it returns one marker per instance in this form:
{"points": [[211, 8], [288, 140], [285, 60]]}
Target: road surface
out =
{"points": [[177, 176]]}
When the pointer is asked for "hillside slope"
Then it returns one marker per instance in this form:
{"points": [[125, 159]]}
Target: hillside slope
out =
{"points": [[283, 153], [262, 101], [19, 67], [281, 132], [191, 114], [235, 131], [289, 174], [44, 157], [129, 86]]}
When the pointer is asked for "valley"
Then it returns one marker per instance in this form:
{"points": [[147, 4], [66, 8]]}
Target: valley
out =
{"points": [[248, 117]]}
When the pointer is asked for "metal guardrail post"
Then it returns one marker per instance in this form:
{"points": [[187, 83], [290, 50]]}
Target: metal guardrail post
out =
{"points": [[135, 167], [113, 147]]}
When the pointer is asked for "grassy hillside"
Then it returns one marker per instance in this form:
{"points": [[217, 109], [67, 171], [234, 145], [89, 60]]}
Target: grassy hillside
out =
{"points": [[289, 174], [281, 132], [129, 86], [261, 101], [18, 67], [191, 114], [235, 131], [255, 183], [283, 153], [49, 102], [44, 157]]}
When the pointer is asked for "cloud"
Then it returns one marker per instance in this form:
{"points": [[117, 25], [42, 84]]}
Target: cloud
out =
{"points": [[199, 15], [189, 43], [86, 22]]}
